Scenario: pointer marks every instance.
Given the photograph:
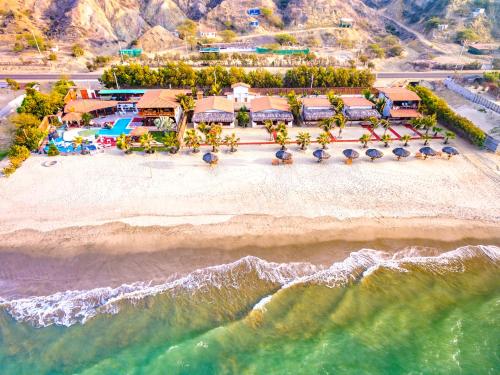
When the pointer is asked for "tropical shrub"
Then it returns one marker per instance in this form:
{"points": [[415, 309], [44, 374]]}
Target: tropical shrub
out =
{"points": [[432, 104], [53, 150]]}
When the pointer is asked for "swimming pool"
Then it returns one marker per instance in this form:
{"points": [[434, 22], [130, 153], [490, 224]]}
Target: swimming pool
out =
{"points": [[120, 127]]}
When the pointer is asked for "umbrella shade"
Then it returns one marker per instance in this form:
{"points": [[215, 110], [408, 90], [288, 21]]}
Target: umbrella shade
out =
{"points": [[350, 153], [450, 150], [321, 154], [373, 153], [140, 130], [210, 158], [428, 151], [401, 152], [283, 155]]}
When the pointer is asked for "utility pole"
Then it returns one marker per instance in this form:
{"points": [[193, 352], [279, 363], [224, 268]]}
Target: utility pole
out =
{"points": [[120, 51], [116, 81], [36, 42], [312, 80], [460, 55]]}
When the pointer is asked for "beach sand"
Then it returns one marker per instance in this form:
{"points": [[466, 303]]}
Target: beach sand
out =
{"points": [[109, 219]]}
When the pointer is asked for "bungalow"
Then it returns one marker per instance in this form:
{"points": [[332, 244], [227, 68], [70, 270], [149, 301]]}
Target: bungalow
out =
{"points": [[401, 103], [358, 108], [158, 103], [270, 108], [241, 94], [214, 109], [74, 109], [315, 109]]}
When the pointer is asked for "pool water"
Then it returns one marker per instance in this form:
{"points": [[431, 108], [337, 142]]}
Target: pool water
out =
{"points": [[120, 127]]}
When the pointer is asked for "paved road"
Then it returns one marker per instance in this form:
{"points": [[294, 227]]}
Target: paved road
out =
{"points": [[95, 76]]}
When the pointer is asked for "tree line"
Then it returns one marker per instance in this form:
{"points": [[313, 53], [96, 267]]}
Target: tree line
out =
{"points": [[181, 75]]}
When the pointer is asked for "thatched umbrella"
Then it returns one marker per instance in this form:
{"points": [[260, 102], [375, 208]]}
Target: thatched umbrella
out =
{"points": [[210, 158], [321, 155], [351, 154], [401, 152], [428, 151], [283, 155], [450, 151], [373, 153]]}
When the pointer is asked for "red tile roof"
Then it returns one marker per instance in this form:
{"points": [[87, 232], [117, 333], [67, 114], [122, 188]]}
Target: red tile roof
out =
{"points": [[269, 103], [160, 99], [214, 103], [316, 102], [398, 94], [405, 113], [356, 101]]}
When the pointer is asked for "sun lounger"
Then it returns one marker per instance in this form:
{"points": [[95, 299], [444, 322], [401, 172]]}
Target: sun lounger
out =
{"points": [[288, 161], [275, 162], [348, 161], [419, 155]]}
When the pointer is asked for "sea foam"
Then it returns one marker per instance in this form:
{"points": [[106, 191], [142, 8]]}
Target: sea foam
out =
{"points": [[78, 306]]}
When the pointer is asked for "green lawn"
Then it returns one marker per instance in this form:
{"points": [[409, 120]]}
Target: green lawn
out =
{"points": [[157, 135], [3, 153]]}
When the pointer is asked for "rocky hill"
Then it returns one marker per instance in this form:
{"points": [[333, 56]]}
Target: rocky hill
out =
{"points": [[102, 21]]}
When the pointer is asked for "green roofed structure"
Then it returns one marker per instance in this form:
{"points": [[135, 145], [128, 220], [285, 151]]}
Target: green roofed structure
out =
{"points": [[291, 51], [133, 52], [121, 94]]}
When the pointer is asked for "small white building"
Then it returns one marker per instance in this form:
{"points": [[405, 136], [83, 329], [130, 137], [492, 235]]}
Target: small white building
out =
{"points": [[442, 26], [241, 93], [205, 32], [477, 12]]}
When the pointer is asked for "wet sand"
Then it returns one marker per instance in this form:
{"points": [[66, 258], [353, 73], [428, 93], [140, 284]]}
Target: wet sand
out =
{"points": [[40, 263]]}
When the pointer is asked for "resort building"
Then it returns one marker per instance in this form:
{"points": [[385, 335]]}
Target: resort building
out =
{"points": [[270, 108], [74, 109], [158, 103], [315, 109], [401, 103], [214, 109], [358, 108]]}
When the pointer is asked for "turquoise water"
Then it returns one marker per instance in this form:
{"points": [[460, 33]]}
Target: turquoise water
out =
{"points": [[120, 127], [370, 314]]}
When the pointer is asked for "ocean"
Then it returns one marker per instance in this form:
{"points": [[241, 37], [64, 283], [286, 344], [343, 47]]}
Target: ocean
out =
{"points": [[372, 313]]}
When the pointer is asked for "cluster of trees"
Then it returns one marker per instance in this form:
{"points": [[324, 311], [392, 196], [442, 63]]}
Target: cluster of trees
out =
{"points": [[182, 75], [29, 40], [34, 108], [304, 76], [433, 105]]}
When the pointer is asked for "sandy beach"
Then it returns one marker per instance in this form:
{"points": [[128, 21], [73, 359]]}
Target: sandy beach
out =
{"points": [[109, 218]]}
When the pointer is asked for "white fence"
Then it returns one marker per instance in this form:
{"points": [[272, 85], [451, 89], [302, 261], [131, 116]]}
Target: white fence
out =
{"points": [[476, 98]]}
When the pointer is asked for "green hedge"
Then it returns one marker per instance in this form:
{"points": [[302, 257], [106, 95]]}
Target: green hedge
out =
{"points": [[432, 104]]}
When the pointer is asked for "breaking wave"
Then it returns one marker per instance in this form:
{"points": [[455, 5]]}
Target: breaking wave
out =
{"points": [[78, 306]]}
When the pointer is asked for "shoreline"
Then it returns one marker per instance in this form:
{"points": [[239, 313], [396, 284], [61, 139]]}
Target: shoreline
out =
{"points": [[40, 263]]}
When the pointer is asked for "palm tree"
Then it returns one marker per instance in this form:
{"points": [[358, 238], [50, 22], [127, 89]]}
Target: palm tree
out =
{"points": [[123, 143], [86, 117], [270, 128], [303, 140], [146, 142], [324, 139], [340, 121], [385, 124], [78, 141], [191, 139], [436, 130], [364, 139], [374, 122], [203, 128], [282, 139], [231, 141], [186, 101], [448, 135], [386, 138], [426, 138], [380, 105], [281, 127], [295, 106], [327, 124], [213, 138], [406, 138], [336, 101], [171, 142]]}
